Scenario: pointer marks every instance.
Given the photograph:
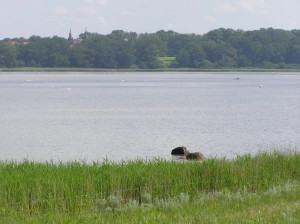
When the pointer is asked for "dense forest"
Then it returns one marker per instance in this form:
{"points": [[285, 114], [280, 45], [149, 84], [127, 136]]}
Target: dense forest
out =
{"points": [[220, 48]]}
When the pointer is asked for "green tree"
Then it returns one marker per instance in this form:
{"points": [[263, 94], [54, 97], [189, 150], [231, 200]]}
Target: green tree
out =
{"points": [[45, 52], [224, 48], [183, 58], [123, 46], [147, 52], [7, 55]]}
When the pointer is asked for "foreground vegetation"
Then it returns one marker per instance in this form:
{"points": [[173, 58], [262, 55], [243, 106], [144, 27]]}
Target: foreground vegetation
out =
{"points": [[105, 70], [218, 49], [250, 189]]}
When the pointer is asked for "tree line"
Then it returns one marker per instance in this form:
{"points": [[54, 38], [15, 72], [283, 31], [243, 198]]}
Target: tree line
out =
{"points": [[220, 48]]}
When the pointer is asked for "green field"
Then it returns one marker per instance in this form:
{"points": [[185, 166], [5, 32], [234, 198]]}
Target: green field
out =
{"points": [[250, 189], [168, 62]]}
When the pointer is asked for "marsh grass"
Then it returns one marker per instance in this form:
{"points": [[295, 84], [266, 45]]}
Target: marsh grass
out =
{"points": [[80, 190], [168, 62]]}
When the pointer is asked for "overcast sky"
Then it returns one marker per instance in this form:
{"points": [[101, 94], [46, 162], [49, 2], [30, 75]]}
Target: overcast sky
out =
{"points": [[46, 18]]}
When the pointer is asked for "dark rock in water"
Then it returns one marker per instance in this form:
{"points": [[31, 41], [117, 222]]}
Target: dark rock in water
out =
{"points": [[195, 156], [180, 151]]}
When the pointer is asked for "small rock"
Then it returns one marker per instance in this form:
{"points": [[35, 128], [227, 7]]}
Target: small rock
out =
{"points": [[195, 156], [180, 151]]}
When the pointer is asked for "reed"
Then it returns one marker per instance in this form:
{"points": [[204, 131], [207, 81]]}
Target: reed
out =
{"points": [[168, 61], [43, 190]]}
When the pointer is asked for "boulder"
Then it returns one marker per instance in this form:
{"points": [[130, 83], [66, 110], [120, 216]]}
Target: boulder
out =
{"points": [[195, 156], [180, 151]]}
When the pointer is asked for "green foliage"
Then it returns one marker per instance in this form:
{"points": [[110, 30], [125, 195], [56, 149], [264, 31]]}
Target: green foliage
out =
{"points": [[44, 52], [262, 187], [168, 62], [7, 55], [221, 48]]}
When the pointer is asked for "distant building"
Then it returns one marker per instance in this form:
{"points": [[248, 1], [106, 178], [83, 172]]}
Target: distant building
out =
{"points": [[12, 42], [73, 42], [18, 42], [70, 38]]}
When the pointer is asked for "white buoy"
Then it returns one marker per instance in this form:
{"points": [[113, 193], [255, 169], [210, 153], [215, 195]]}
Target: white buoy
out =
{"points": [[260, 86]]}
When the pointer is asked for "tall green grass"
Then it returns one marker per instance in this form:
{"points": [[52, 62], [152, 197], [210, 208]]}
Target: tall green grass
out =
{"points": [[30, 188], [169, 66]]}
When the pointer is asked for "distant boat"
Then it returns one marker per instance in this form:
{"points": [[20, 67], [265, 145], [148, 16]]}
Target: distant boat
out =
{"points": [[260, 86], [237, 78]]}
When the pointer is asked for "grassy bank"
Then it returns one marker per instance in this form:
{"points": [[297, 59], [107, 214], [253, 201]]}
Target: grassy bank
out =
{"points": [[264, 187], [34, 69]]}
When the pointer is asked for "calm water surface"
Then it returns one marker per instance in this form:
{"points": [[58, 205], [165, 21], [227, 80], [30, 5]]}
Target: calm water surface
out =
{"points": [[120, 116]]}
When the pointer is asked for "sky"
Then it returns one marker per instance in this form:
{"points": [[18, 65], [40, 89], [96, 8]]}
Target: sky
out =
{"points": [[46, 18]]}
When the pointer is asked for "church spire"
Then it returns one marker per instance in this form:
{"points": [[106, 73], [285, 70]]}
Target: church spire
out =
{"points": [[85, 34], [70, 38]]}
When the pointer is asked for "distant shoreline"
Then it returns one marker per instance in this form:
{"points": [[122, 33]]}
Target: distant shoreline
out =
{"points": [[25, 69]]}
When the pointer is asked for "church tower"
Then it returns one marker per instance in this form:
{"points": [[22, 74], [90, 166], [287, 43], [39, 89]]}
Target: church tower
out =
{"points": [[70, 38], [85, 35]]}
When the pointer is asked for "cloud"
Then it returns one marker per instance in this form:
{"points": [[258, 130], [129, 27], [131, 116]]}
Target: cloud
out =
{"points": [[90, 11], [222, 7], [169, 26], [60, 10], [103, 21], [252, 6], [207, 18], [129, 13], [97, 2], [245, 6]]}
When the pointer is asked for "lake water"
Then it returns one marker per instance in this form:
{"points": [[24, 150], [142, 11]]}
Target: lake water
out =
{"points": [[120, 116]]}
